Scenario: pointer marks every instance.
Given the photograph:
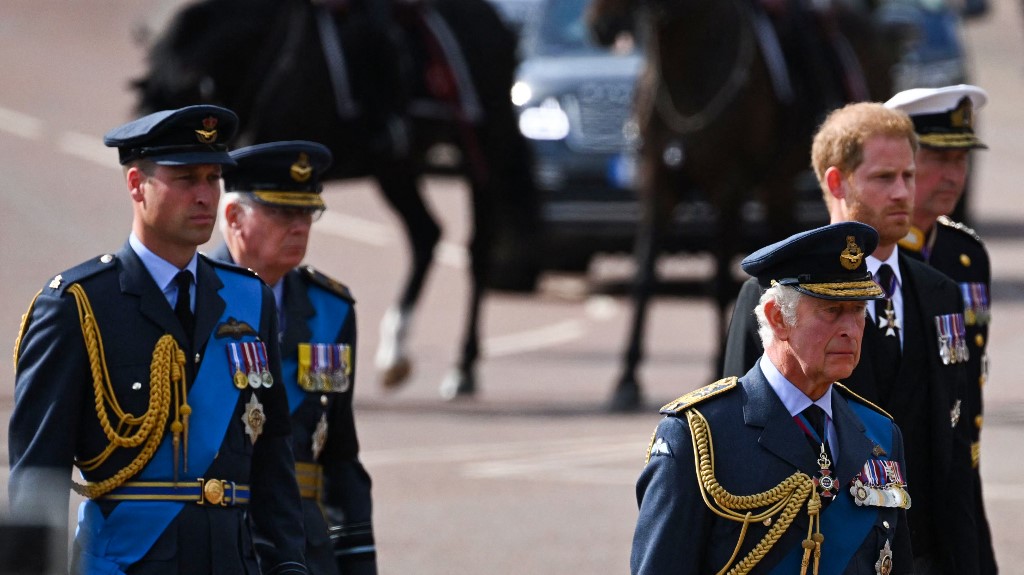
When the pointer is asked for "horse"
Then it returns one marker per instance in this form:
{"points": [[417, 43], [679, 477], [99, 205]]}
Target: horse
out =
{"points": [[722, 114], [292, 69]]}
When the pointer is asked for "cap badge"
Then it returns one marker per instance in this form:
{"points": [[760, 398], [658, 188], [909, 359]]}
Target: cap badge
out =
{"points": [[852, 255], [961, 117], [301, 171], [208, 135]]}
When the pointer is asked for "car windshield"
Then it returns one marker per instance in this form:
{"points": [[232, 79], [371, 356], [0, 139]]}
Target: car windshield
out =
{"points": [[561, 29]]}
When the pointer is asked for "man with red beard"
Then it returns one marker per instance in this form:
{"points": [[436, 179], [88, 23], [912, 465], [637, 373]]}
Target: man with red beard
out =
{"points": [[273, 198], [915, 349]]}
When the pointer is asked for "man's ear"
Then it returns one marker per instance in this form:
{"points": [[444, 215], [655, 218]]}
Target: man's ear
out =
{"points": [[233, 213], [834, 181], [135, 178], [773, 314]]}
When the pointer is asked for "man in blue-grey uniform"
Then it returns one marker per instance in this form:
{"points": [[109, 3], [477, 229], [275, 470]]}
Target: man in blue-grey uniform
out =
{"points": [[156, 372], [273, 198], [782, 470], [944, 121], [914, 347]]}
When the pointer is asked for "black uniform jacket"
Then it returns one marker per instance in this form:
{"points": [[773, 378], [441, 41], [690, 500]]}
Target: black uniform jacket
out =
{"points": [[55, 419], [756, 445], [957, 251], [346, 484], [927, 401]]}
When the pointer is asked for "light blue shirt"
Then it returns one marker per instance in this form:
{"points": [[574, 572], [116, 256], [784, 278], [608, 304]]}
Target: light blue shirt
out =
{"points": [[163, 271], [796, 401]]}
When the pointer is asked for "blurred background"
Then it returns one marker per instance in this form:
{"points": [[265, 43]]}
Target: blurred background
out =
{"points": [[533, 475]]}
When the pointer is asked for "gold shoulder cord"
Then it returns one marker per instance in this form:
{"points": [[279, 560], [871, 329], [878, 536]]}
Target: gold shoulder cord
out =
{"points": [[785, 499], [167, 372]]}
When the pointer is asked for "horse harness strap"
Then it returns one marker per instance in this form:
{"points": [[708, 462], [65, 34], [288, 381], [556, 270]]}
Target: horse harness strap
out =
{"points": [[330, 42]]}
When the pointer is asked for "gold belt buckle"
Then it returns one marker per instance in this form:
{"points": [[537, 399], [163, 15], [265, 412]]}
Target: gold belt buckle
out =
{"points": [[214, 491]]}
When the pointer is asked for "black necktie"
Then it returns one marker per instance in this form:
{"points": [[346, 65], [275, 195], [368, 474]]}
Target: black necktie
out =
{"points": [[815, 415], [889, 354], [183, 307]]}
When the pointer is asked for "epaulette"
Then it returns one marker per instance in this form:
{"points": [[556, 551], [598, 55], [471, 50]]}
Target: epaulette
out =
{"points": [[84, 270], [946, 221], [913, 241], [315, 276], [698, 395], [228, 266], [850, 393]]}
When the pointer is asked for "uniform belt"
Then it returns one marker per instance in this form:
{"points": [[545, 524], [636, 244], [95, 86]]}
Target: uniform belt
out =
{"points": [[216, 492], [308, 477]]}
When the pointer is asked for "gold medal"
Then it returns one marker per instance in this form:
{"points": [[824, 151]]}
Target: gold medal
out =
{"points": [[240, 380]]}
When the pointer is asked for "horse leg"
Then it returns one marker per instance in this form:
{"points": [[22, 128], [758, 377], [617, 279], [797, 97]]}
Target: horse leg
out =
{"points": [[399, 186], [627, 395], [461, 379]]}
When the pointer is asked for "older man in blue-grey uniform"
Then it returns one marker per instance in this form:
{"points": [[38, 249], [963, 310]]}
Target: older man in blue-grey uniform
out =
{"points": [[944, 121], [156, 372], [914, 347], [273, 198], [782, 470]]}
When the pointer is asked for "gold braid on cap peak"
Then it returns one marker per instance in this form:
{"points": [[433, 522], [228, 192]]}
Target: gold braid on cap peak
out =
{"points": [[861, 288], [167, 376], [785, 500]]}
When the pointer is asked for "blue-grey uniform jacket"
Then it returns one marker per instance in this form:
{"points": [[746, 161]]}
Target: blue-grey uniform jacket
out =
{"points": [[56, 423], [318, 310], [757, 445]]}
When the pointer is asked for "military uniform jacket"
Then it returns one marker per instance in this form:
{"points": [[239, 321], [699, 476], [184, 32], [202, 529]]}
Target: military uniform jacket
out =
{"points": [[757, 445], [927, 402], [958, 252], [55, 421], [345, 497]]}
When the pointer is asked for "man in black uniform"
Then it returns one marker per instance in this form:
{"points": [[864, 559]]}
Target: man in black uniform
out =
{"points": [[944, 121], [781, 471], [915, 347], [155, 371], [272, 199]]}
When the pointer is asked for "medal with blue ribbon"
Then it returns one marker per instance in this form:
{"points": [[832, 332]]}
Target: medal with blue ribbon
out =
{"points": [[976, 306], [952, 335], [324, 367]]}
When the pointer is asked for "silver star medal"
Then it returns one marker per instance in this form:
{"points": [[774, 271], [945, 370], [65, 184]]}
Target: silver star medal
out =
{"points": [[890, 323], [254, 418]]}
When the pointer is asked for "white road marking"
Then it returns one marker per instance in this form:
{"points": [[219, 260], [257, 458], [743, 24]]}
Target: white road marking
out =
{"points": [[534, 339], [20, 125], [87, 147]]}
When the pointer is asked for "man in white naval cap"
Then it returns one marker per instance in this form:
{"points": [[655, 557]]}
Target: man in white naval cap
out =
{"points": [[944, 121]]}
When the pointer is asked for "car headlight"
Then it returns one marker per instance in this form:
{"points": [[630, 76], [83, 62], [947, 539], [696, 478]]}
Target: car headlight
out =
{"points": [[521, 93], [545, 122]]}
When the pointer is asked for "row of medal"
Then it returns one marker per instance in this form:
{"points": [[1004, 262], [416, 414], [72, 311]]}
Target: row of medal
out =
{"points": [[325, 367], [976, 308], [952, 338], [880, 484], [249, 365]]}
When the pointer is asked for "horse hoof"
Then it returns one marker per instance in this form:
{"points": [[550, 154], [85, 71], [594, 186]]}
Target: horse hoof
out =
{"points": [[625, 399], [396, 375], [456, 384]]}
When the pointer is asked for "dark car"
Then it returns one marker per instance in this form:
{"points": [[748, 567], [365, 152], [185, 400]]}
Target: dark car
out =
{"points": [[574, 100]]}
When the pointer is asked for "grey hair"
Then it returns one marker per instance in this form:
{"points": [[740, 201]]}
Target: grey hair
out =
{"points": [[226, 199], [786, 298]]}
